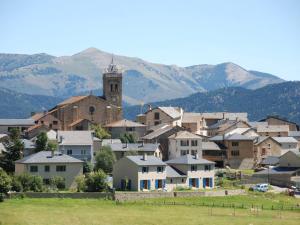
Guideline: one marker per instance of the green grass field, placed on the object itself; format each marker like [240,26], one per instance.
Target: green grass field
[92,211]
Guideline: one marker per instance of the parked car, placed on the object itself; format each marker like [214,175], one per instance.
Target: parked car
[260,187]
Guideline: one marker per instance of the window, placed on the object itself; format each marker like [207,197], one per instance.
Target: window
[269,145]
[234,143]
[160,169]
[61,168]
[116,87]
[111,87]
[83,152]
[263,151]
[156,116]
[55,122]
[171,180]
[69,152]
[47,168]
[145,169]
[156,123]
[193,167]
[207,167]
[130,128]
[184,143]
[194,143]
[184,152]
[33,169]
[182,180]
[193,152]
[235,153]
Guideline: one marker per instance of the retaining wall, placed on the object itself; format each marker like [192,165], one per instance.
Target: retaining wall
[64,195]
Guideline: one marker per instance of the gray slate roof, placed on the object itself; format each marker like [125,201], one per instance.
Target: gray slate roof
[184,134]
[233,137]
[173,112]
[121,147]
[75,137]
[270,160]
[156,133]
[278,170]
[16,122]
[294,133]
[45,157]
[282,140]
[151,160]
[188,159]
[111,141]
[173,172]
[28,144]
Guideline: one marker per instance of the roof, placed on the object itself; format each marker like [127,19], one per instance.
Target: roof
[260,139]
[255,124]
[28,144]
[37,116]
[279,118]
[270,160]
[220,123]
[78,121]
[16,122]
[75,137]
[188,159]
[210,146]
[184,135]
[173,172]
[233,137]
[282,140]
[45,157]
[158,132]
[151,160]
[173,112]
[273,128]
[72,100]
[37,126]
[121,147]
[124,123]
[239,130]
[189,117]
[111,141]
[279,170]
[294,134]
[3,136]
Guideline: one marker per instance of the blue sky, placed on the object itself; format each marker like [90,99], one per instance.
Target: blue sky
[261,35]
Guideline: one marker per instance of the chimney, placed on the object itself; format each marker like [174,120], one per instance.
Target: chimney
[145,156]
[149,107]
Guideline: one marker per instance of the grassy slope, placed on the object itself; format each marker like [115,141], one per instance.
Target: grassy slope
[71,211]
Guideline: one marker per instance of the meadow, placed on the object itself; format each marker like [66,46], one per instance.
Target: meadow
[106,212]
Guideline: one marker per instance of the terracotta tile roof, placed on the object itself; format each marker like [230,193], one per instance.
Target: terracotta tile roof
[72,100]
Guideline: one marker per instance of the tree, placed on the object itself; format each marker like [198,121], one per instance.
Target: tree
[14,147]
[5,182]
[30,182]
[41,142]
[87,167]
[128,138]
[52,146]
[100,132]
[80,181]
[58,182]
[105,159]
[14,134]
[96,181]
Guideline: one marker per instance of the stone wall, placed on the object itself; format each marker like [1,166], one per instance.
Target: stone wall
[63,195]
[126,196]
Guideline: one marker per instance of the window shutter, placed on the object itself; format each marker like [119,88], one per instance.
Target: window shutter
[164,183]
[156,184]
[204,180]
[141,184]
[149,184]
[129,185]
[210,182]
[191,182]
[197,182]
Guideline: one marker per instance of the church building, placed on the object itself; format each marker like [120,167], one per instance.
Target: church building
[80,112]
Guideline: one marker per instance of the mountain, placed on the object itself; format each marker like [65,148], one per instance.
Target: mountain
[276,99]
[42,74]
[18,105]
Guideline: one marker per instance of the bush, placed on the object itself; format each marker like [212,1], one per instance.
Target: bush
[16,185]
[58,182]
[96,181]
[87,167]
[30,182]
[5,182]
[80,181]
[105,159]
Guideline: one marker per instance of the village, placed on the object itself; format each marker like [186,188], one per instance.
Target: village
[165,149]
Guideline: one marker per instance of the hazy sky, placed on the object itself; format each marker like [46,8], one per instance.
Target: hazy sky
[256,34]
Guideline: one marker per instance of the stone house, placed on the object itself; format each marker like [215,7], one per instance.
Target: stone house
[273,130]
[139,173]
[213,152]
[183,143]
[47,165]
[225,126]
[22,124]
[276,120]
[120,127]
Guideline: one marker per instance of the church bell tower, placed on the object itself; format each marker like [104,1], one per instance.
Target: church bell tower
[112,85]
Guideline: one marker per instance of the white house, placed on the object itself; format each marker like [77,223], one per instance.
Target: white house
[78,144]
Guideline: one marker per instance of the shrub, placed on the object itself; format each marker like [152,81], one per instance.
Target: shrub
[36,184]
[16,185]
[58,182]
[96,181]
[105,159]
[30,182]
[80,181]
[5,182]
[87,167]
